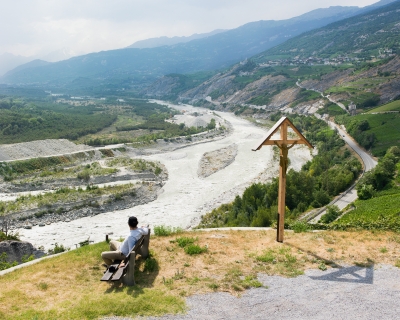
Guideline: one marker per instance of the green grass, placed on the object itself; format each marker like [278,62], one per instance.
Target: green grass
[193,249]
[280,259]
[386,128]
[392,106]
[164,231]
[71,290]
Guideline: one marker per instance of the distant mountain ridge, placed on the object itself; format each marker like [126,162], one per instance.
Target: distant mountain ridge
[336,50]
[141,66]
[169,41]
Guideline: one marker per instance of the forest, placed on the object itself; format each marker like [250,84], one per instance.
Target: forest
[24,120]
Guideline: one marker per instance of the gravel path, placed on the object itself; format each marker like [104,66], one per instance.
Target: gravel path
[347,293]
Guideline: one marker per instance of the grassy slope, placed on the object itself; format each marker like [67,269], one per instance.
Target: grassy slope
[68,286]
[386,128]
[392,106]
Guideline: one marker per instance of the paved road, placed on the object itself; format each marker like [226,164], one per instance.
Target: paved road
[368,161]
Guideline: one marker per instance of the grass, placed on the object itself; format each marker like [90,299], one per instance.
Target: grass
[68,286]
[165,231]
[392,106]
[386,129]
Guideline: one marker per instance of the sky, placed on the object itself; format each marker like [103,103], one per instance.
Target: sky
[38,27]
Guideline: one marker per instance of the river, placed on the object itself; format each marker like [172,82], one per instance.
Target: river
[185,196]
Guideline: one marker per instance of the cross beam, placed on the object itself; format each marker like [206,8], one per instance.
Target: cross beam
[284,144]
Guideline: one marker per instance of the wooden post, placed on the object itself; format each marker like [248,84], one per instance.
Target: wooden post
[283,144]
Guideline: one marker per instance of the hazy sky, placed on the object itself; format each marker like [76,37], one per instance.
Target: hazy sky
[36,27]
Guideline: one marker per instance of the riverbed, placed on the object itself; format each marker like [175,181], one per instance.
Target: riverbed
[185,196]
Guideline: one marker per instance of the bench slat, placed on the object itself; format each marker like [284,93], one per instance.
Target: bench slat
[108,274]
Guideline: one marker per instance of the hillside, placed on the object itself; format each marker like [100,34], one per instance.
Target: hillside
[128,67]
[68,287]
[371,34]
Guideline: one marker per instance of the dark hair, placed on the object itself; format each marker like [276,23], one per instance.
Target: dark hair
[133,222]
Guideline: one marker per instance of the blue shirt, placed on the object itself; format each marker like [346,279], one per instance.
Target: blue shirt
[131,239]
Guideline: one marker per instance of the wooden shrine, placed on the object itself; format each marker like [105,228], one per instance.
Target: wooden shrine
[284,144]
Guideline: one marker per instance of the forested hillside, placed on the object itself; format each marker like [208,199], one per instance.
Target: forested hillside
[330,172]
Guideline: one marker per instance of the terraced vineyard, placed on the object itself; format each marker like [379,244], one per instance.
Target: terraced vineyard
[381,213]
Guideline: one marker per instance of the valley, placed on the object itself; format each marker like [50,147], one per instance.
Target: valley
[184,196]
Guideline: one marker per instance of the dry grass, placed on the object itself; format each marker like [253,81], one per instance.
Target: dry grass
[68,286]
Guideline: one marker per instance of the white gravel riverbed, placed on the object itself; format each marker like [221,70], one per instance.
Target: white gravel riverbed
[185,196]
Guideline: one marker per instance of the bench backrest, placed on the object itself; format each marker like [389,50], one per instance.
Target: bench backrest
[141,247]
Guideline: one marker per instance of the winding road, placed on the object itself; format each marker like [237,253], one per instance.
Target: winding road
[369,162]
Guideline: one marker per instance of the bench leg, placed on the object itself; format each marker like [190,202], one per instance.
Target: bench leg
[129,278]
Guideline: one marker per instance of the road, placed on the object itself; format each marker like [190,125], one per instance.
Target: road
[368,162]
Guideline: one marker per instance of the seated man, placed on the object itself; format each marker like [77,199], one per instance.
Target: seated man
[119,250]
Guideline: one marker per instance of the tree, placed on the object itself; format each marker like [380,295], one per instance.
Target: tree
[365,191]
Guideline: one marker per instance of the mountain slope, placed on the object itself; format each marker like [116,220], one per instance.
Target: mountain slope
[362,36]
[218,51]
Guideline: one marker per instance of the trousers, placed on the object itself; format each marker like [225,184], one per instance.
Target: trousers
[114,254]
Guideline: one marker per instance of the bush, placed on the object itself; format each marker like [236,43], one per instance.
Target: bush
[84,175]
[4,264]
[184,241]
[157,171]
[332,213]
[58,249]
[9,236]
[164,231]
[300,226]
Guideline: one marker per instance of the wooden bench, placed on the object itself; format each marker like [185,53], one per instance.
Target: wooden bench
[124,270]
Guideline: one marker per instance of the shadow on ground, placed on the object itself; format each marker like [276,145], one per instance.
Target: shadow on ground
[362,273]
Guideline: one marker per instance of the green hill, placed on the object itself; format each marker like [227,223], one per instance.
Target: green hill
[362,36]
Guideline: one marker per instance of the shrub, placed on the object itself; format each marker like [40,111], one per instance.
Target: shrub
[58,248]
[9,236]
[157,171]
[300,226]
[332,213]
[84,175]
[4,264]
[25,258]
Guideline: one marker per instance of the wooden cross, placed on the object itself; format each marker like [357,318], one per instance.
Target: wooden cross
[284,144]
